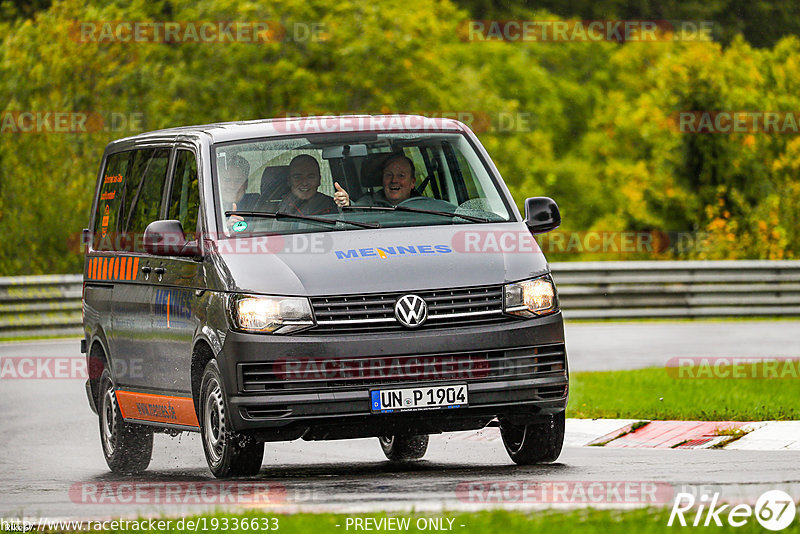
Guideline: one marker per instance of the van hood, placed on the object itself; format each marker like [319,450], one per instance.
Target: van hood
[385,260]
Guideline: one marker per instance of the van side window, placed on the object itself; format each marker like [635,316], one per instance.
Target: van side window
[143,192]
[184,200]
[106,221]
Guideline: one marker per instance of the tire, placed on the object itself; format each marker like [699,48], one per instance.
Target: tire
[404,447]
[228,453]
[127,447]
[534,443]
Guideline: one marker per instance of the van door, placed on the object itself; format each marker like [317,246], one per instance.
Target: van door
[132,271]
[98,289]
[178,291]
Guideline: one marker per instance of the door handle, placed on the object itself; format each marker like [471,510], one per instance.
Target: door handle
[146,269]
[160,271]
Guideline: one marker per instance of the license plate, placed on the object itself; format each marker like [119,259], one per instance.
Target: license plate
[428,398]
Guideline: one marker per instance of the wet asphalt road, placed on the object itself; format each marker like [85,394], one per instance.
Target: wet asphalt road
[53,464]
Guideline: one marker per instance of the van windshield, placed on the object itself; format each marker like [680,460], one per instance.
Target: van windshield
[380,180]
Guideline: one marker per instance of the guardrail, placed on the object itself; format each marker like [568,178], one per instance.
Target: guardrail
[678,289]
[51,305]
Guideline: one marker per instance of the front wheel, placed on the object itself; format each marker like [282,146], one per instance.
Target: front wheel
[403,448]
[127,447]
[536,442]
[228,453]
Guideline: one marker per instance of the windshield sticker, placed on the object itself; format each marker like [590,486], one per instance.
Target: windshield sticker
[113,179]
[239,226]
[392,252]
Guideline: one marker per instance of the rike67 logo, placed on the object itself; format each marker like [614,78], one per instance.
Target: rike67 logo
[774,510]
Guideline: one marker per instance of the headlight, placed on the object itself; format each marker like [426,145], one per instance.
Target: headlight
[275,315]
[531,298]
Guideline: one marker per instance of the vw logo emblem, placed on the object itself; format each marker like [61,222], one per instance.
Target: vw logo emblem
[411,311]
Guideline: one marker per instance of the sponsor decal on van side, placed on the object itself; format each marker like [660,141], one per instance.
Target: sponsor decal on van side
[171,305]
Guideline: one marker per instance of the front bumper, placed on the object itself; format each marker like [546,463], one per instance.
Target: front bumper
[333,410]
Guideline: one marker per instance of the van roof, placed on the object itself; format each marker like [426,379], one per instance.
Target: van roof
[230,131]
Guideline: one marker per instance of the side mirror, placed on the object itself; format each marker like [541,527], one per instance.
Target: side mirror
[166,238]
[541,214]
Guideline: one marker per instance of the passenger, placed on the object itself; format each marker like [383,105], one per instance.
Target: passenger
[303,197]
[398,185]
[233,184]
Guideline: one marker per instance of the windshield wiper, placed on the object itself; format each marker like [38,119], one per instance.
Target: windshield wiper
[271,215]
[418,210]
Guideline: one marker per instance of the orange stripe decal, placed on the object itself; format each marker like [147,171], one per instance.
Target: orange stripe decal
[94,268]
[124,269]
[116,268]
[90,269]
[103,268]
[157,408]
[135,268]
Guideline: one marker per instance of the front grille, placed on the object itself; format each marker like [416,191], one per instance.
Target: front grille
[352,314]
[321,374]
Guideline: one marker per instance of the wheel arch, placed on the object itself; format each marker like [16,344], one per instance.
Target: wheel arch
[202,353]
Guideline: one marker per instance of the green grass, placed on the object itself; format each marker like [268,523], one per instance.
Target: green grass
[64,337]
[586,521]
[653,394]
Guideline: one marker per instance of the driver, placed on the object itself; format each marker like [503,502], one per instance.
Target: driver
[398,185]
[303,197]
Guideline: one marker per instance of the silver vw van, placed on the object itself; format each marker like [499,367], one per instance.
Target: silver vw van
[318,278]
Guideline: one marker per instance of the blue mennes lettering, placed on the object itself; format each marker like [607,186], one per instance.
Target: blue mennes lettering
[346,254]
[404,250]
[388,250]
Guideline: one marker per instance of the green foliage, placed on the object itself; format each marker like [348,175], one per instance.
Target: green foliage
[599,133]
